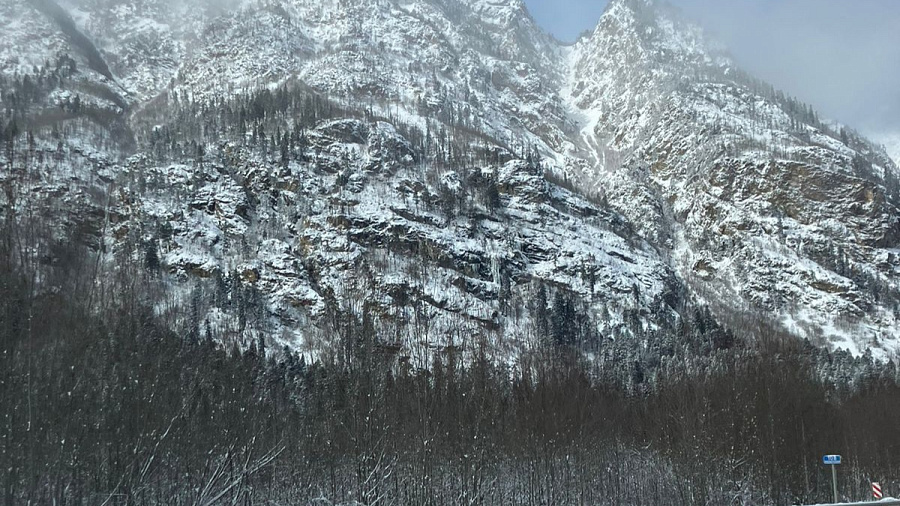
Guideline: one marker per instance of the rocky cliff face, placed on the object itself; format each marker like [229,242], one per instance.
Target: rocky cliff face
[758,201]
[445,173]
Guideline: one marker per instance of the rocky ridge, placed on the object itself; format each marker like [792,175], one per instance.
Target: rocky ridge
[689,183]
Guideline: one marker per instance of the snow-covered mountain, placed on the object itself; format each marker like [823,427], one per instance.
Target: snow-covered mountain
[759,202]
[445,171]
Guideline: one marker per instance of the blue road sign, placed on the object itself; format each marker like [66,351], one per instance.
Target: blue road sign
[831,460]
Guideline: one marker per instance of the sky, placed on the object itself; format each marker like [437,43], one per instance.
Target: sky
[842,56]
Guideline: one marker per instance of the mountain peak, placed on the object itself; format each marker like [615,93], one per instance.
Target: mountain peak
[516,5]
[636,39]
[506,13]
[631,10]
[658,25]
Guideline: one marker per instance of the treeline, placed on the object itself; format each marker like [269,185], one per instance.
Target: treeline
[19,93]
[276,122]
[103,401]
[56,101]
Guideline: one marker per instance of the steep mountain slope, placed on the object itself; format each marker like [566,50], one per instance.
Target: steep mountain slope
[477,63]
[402,166]
[763,205]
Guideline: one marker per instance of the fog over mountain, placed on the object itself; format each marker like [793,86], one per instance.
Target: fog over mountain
[842,56]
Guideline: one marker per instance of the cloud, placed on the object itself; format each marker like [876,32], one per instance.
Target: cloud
[841,56]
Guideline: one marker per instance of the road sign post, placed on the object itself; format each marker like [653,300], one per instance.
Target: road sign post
[834,482]
[833,461]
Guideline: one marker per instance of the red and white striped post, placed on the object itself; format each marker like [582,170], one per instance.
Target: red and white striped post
[876,490]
